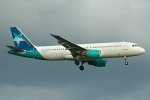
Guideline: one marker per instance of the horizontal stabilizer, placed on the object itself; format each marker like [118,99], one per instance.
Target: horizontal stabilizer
[16,49]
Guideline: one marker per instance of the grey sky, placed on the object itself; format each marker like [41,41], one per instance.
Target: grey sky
[80,21]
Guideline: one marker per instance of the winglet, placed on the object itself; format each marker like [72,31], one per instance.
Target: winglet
[52,35]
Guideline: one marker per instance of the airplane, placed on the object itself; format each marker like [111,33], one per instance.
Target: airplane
[94,54]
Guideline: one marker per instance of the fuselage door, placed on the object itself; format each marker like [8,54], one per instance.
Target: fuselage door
[125,46]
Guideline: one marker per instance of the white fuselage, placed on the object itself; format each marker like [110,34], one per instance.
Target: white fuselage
[108,50]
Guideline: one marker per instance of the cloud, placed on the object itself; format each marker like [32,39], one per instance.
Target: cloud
[11,92]
[80,21]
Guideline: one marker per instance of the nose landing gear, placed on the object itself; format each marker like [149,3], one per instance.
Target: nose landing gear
[125,58]
[126,63]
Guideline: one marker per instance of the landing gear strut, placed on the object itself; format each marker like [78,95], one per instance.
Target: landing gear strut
[125,58]
[77,62]
[81,67]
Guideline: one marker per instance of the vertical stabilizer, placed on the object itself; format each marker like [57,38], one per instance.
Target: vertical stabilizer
[20,40]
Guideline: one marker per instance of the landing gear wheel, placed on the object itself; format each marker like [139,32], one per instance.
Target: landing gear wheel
[125,58]
[77,62]
[81,68]
[126,63]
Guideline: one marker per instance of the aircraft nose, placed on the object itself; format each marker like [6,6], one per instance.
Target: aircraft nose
[142,50]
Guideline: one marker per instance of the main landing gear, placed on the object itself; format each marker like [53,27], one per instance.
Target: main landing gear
[125,58]
[77,62]
[81,67]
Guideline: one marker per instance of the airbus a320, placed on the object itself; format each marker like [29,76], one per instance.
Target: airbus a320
[94,54]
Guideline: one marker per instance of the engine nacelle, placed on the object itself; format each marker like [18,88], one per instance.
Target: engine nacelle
[99,62]
[93,54]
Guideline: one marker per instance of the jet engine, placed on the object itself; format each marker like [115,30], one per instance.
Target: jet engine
[93,54]
[98,63]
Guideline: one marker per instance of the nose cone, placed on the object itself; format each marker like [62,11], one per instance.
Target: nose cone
[142,50]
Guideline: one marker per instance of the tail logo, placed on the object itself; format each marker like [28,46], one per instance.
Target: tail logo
[18,38]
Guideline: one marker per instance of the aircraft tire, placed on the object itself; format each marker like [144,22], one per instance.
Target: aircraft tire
[126,63]
[77,62]
[81,68]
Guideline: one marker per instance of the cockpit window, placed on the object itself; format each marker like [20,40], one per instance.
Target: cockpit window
[134,45]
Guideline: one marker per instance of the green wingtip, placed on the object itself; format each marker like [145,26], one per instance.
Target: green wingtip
[51,35]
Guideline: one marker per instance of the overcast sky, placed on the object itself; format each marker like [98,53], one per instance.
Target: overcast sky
[80,21]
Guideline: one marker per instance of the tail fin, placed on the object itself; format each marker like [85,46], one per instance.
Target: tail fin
[20,40]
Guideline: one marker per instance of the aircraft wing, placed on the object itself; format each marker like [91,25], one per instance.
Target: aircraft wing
[73,48]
